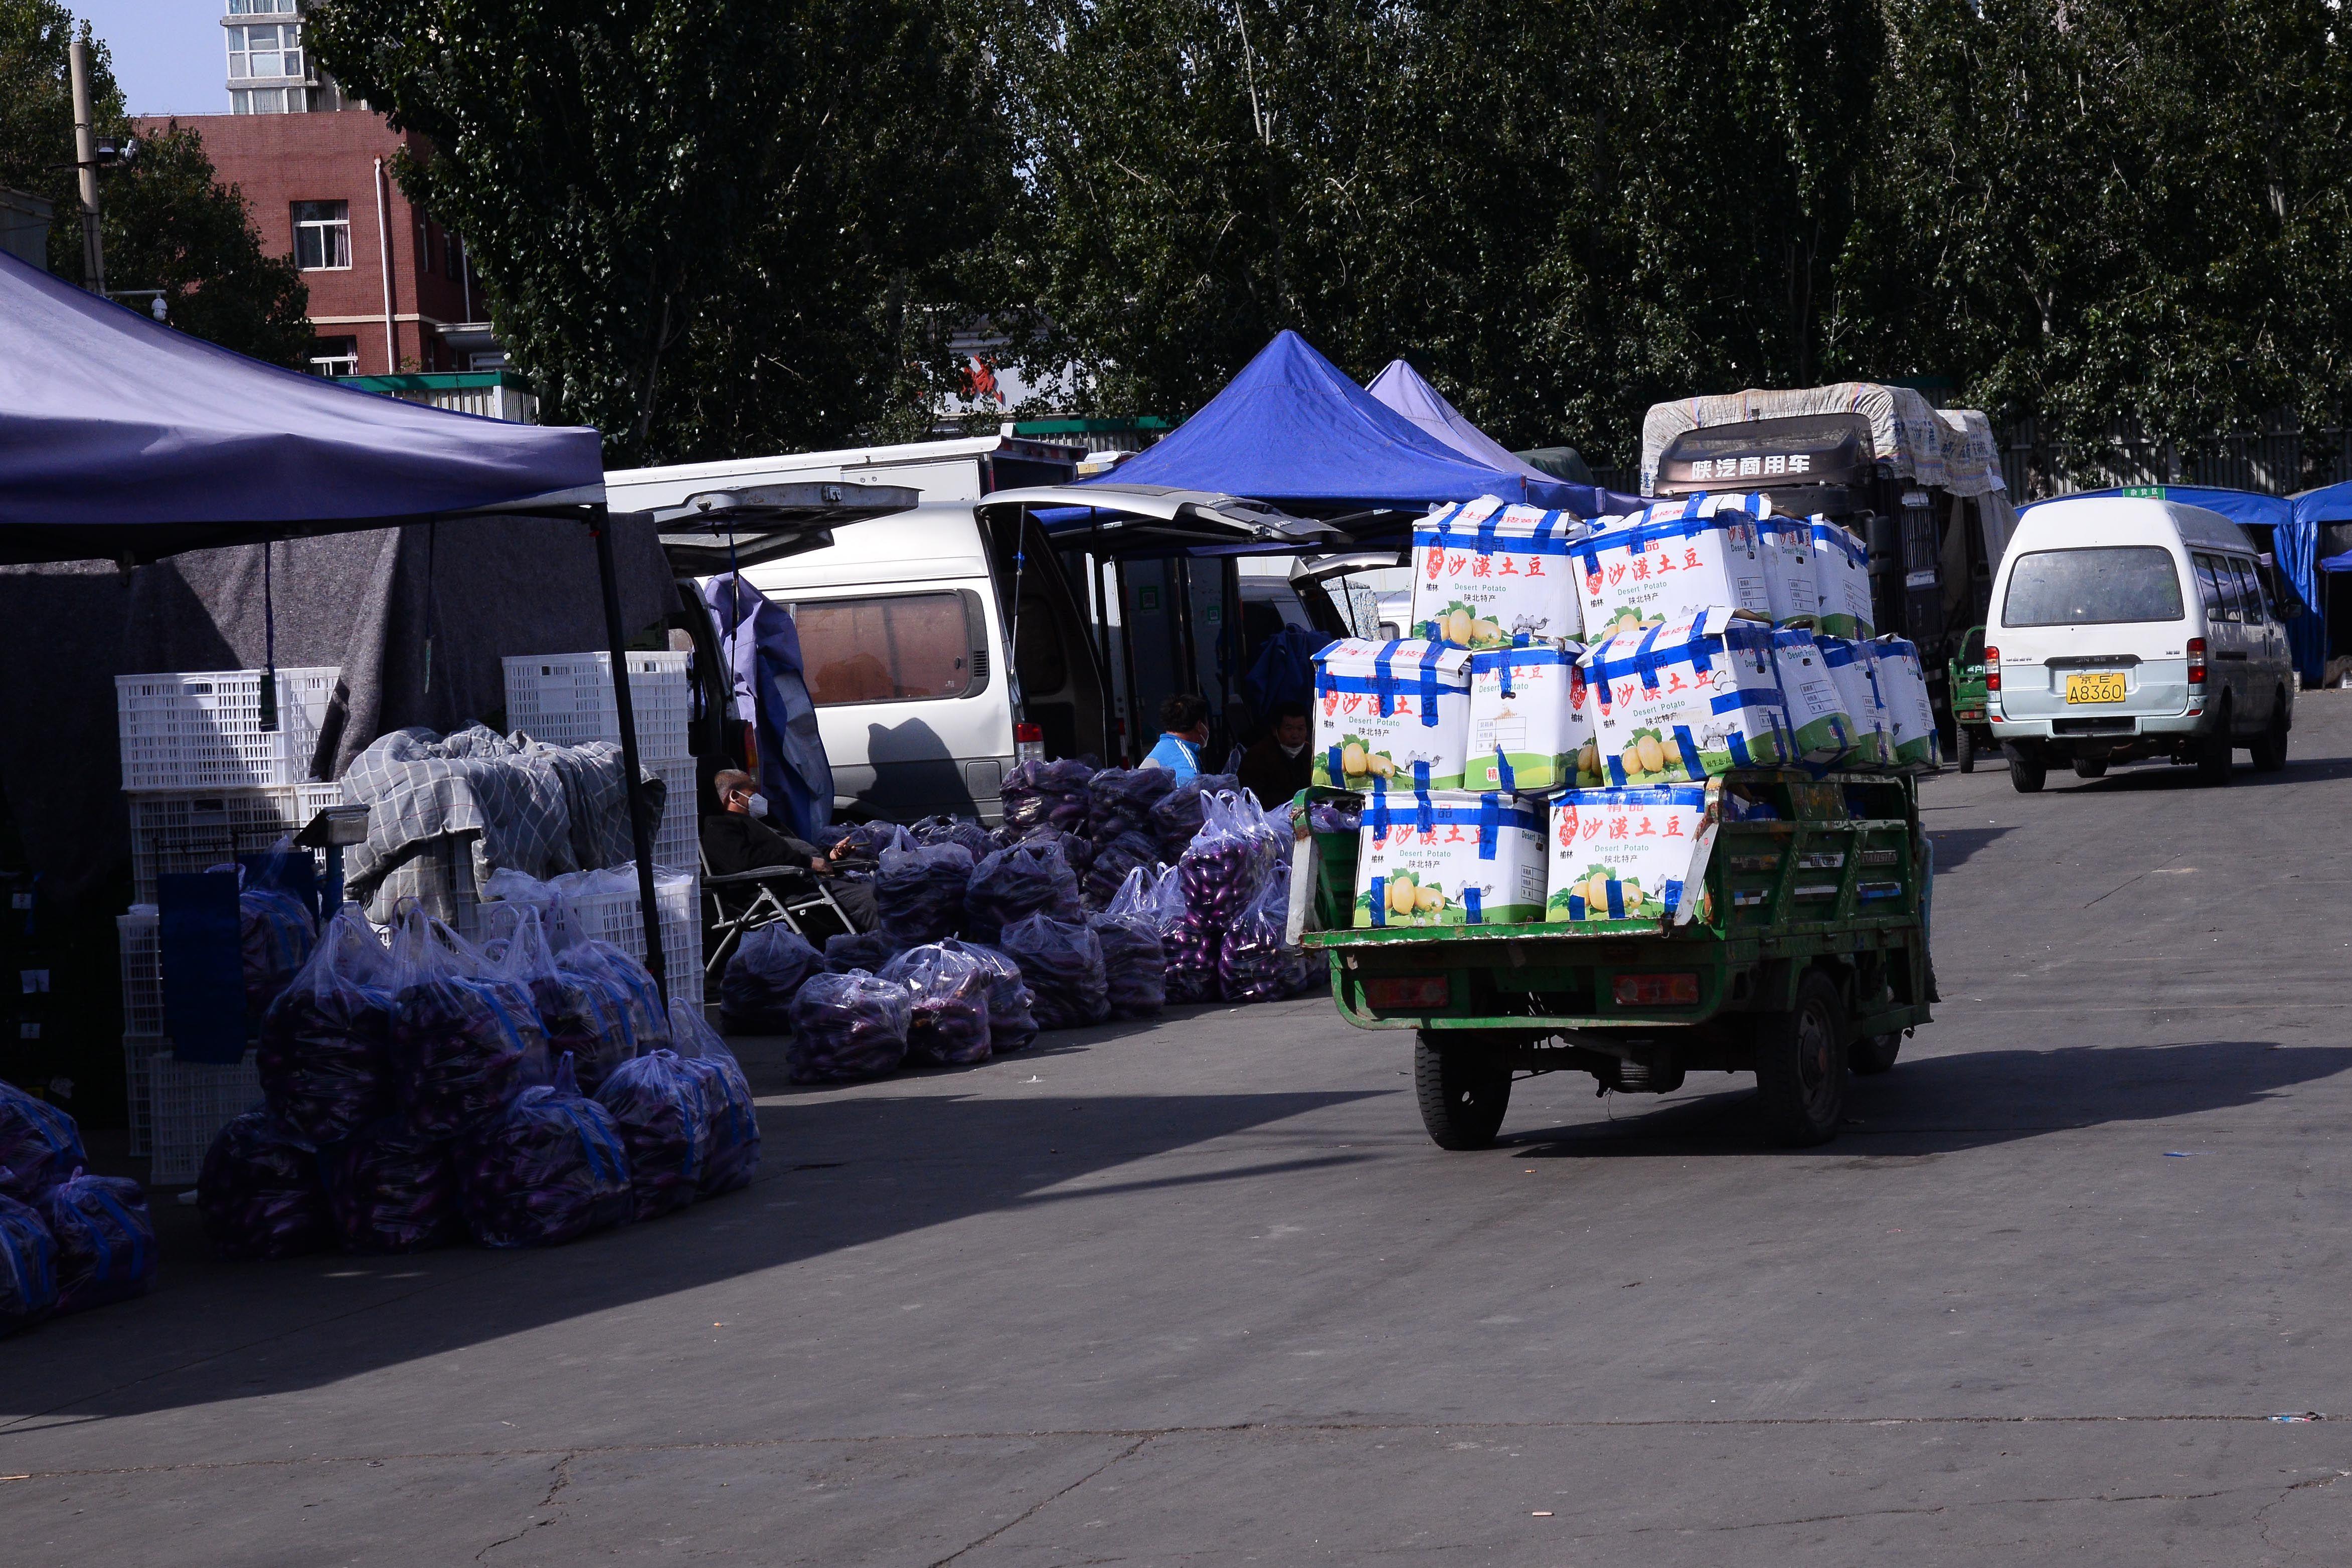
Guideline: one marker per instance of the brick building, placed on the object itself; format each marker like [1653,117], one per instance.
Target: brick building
[391,291]
[321,189]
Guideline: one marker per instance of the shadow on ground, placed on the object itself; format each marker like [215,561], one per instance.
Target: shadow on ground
[1967,1101]
[838,1171]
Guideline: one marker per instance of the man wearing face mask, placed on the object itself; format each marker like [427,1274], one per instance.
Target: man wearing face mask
[737,839]
[1279,766]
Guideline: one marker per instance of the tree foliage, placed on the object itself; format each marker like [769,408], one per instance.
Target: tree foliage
[165,221]
[707,227]
[2078,209]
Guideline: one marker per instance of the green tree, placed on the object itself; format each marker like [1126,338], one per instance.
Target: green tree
[1558,212]
[165,221]
[2098,209]
[702,226]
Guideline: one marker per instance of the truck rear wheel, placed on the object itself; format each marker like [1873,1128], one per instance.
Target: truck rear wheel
[1801,1064]
[1965,744]
[1462,1092]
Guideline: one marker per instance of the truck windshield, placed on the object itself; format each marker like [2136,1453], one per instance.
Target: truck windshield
[2096,586]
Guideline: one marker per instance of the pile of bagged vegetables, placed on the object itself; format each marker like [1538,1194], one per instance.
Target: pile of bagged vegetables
[68,1239]
[426,1090]
[1107,894]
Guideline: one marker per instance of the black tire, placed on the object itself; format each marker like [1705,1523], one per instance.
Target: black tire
[1463,1091]
[1964,747]
[2218,755]
[2089,768]
[1801,1064]
[2027,774]
[1870,1054]
[2269,748]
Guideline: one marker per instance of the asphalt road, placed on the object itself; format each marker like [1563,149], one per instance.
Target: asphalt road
[1201,1292]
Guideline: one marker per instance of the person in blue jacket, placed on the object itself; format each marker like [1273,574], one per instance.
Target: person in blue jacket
[1184,729]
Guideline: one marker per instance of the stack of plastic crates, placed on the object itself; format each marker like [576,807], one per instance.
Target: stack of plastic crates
[206,783]
[143,1013]
[176,1107]
[566,699]
[202,731]
[614,916]
[191,1102]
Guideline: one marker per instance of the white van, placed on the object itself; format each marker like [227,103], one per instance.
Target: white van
[906,622]
[2125,627]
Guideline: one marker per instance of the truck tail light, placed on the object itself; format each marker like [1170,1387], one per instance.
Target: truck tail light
[1993,669]
[1417,992]
[2197,661]
[1656,990]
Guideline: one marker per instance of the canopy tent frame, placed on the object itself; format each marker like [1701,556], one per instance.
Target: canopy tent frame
[124,426]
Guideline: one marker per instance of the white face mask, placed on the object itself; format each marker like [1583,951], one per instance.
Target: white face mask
[1292,750]
[757,805]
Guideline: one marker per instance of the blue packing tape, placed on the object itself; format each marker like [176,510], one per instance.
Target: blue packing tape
[1380,901]
[1421,775]
[1673,899]
[1489,822]
[1425,813]
[1471,906]
[1739,758]
[1576,906]
[1504,778]
[1616,899]
[1688,746]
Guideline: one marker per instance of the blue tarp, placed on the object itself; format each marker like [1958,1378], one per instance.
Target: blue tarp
[2293,522]
[120,436]
[1292,431]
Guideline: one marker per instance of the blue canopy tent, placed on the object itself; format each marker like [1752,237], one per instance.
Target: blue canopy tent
[2293,534]
[1292,430]
[123,440]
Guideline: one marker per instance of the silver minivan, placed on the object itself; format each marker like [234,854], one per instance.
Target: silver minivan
[2129,627]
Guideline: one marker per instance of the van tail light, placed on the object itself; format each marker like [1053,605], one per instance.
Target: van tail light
[1029,742]
[1993,669]
[2197,661]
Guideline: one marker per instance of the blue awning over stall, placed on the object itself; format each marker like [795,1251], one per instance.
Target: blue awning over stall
[121,436]
[1293,431]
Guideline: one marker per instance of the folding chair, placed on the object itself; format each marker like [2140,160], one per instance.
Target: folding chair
[746,900]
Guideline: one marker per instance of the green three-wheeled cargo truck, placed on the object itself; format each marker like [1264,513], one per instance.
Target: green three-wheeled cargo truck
[1806,957]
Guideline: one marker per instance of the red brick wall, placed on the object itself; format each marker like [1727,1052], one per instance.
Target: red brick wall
[277,160]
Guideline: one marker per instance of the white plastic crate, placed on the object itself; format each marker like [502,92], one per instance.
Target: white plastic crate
[566,699]
[196,831]
[202,730]
[138,1085]
[139,935]
[615,917]
[191,1103]
[677,845]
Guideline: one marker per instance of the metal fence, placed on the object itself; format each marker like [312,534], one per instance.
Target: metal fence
[2278,460]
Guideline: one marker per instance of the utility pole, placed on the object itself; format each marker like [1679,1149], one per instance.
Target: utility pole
[93,247]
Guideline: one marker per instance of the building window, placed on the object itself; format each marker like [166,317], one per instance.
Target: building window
[335,357]
[261,7]
[270,50]
[323,235]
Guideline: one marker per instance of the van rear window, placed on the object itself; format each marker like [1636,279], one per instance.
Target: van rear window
[898,647]
[2101,585]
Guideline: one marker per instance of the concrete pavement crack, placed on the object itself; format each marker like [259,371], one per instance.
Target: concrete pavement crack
[1040,1502]
[563,1479]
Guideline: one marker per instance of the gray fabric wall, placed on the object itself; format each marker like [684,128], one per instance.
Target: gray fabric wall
[419,618]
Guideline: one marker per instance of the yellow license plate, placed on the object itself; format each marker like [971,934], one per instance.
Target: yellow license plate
[2104,688]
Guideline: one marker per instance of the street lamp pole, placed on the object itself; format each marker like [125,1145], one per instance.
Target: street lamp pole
[93,247]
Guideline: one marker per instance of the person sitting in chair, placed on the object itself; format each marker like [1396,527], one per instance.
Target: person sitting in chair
[1279,766]
[737,840]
